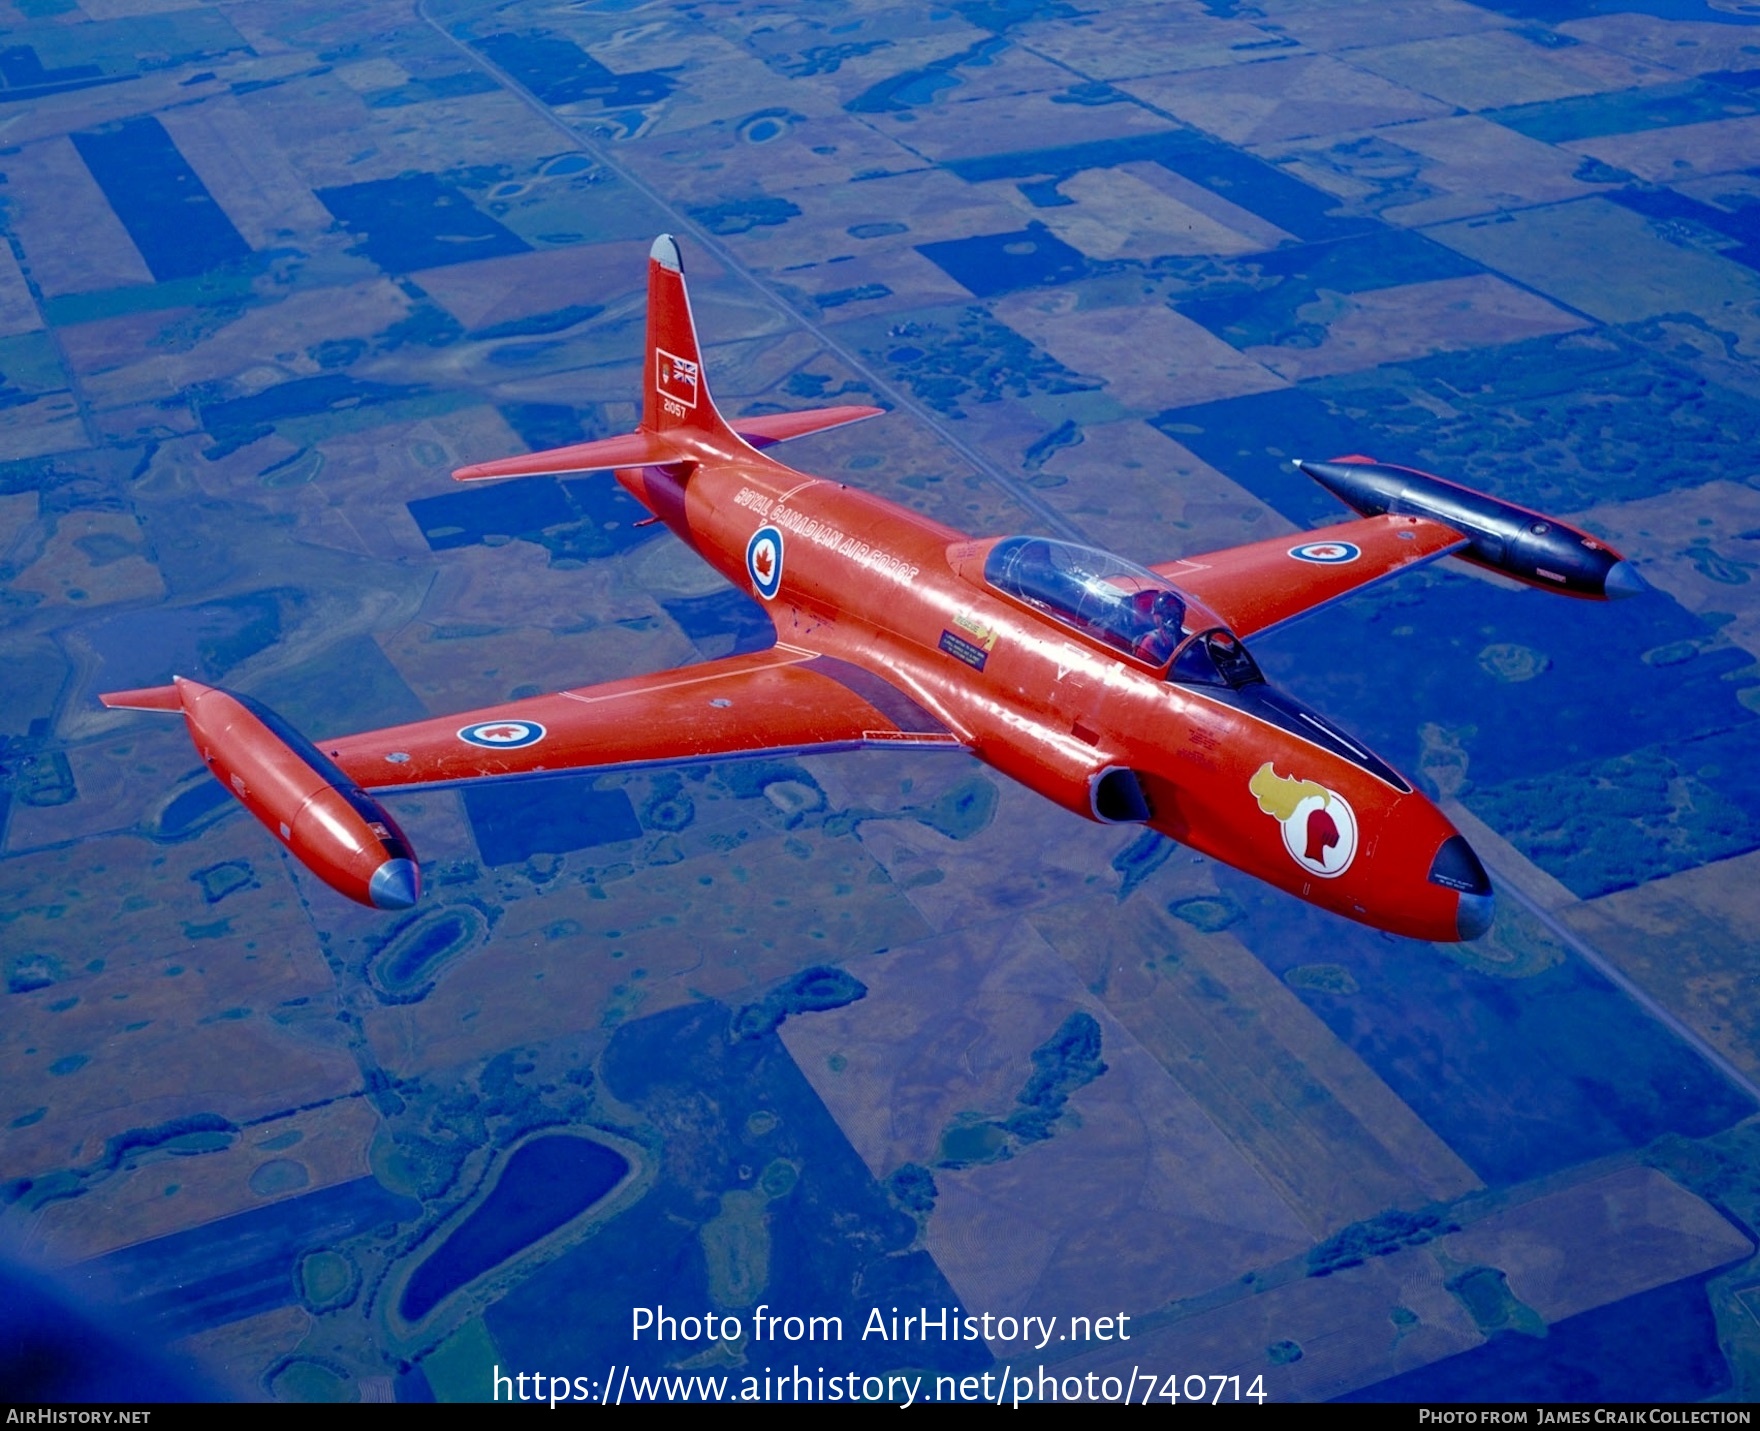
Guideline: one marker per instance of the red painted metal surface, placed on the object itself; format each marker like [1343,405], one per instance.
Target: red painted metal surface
[344,838]
[890,632]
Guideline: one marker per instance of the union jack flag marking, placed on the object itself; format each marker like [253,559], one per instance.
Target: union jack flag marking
[677,377]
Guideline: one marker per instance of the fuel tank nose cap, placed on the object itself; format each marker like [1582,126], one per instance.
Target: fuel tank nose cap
[396,884]
[1623,580]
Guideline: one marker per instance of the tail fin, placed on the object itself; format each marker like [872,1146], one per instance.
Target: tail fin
[675,394]
[680,423]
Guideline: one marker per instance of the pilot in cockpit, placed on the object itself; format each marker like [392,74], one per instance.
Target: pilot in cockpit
[1162,614]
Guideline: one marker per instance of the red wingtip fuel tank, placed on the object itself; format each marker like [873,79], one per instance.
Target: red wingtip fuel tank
[333,828]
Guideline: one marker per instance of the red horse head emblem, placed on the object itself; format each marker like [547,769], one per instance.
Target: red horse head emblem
[1319,826]
[1322,835]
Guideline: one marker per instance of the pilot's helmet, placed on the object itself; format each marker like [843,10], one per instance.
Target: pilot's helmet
[1169,610]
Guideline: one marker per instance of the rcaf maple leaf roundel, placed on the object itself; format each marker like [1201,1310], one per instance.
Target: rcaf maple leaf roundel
[764,560]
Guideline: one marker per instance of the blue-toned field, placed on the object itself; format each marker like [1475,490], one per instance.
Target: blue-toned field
[1515,1074]
[733,1034]
[1658,1346]
[238,1267]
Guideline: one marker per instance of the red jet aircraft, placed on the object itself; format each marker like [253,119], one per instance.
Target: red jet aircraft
[1122,692]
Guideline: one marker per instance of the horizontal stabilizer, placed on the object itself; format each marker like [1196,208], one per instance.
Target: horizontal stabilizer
[150,698]
[633,449]
[774,427]
[652,449]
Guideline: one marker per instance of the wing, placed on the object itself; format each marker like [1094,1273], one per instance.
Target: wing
[1264,584]
[766,702]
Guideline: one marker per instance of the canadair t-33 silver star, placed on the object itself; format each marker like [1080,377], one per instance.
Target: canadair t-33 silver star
[1125,693]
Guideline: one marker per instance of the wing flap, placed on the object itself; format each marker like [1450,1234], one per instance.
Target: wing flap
[1264,584]
[768,701]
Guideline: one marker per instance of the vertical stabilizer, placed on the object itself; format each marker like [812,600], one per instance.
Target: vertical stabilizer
[675,394]
[680,425]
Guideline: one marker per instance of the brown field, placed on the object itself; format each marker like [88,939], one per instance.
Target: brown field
[1137,1180]
[1313,1118]
[164,1194]
[1599,1242]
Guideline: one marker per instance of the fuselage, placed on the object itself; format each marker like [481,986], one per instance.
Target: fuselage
[1245,775]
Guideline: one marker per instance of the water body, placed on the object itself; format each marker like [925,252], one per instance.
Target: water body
[546,1183]
[235,1267]
[836,1243]
[416,954]
[168,212]
[926,85]
[1521,1077]
[1657,1347]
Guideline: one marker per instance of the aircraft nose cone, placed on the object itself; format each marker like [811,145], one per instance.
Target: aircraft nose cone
[396,884]
[1474,913]
[1623,580]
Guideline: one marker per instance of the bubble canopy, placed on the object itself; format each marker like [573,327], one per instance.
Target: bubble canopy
[1126,606]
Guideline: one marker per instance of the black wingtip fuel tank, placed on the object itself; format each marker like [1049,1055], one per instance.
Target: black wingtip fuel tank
[1541,551]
